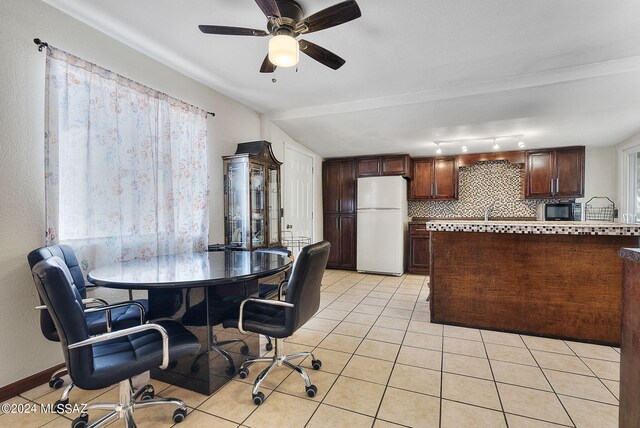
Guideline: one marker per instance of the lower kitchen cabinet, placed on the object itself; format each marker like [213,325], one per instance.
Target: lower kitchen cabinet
[340,231]
[419,249]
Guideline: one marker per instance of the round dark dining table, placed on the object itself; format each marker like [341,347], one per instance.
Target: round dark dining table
[196,289]
[188,270]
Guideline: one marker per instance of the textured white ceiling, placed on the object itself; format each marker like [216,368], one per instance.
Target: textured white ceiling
[559,72]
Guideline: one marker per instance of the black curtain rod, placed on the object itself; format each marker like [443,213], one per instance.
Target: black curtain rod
[42,45]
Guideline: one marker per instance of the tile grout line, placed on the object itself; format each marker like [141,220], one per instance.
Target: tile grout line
[549,382]
[495,383]
[594,373]
[395,361]
[352,353]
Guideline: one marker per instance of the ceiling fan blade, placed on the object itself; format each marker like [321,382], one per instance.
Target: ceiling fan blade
[332,16]
[231,31]
[269,8]
[321,55]
[267,66]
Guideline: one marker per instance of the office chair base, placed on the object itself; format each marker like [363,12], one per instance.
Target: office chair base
[278,360]
[129,401]
[56,381]
[269,345]
[230,370]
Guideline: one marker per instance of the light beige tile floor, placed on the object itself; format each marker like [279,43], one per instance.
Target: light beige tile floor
[385,365]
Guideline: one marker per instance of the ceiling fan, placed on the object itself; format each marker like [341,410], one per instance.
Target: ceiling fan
[286,22]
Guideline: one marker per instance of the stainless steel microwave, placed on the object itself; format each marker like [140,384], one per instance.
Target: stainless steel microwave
[560,211]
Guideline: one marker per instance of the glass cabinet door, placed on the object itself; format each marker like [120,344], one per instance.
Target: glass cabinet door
[237,223]
[257,180]
[274,206]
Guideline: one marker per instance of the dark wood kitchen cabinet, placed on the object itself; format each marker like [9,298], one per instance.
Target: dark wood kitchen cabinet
[555,173]
[339,201]
[340,231]
[435,178]
[339,186]
[419,249]
[384,165]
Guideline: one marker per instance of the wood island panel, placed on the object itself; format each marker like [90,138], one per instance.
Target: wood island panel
[564,286]
[630,347]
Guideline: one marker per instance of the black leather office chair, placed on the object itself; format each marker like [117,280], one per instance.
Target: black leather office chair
[281,318]
[116,317]
[274,287]
[95,362]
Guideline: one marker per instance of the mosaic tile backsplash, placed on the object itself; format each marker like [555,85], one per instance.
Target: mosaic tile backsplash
[479,186]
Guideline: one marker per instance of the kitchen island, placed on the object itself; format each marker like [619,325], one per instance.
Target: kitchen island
[554,279]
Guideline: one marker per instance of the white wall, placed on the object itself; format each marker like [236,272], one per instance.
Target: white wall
[600,174]
[278,139]
[23,350]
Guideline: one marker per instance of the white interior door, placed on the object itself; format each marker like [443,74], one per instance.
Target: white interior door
[298,195]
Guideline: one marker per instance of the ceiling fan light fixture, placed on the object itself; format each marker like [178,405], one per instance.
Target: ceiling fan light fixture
[283,51]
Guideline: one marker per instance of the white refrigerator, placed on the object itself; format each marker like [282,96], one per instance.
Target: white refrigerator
[382,225]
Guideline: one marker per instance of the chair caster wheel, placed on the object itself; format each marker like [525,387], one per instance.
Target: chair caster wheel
[80,422]
[56,383]
[172,365]
[230,371]
[243,373]
[312,390]
[244,350]
[59,405]
[258,398]
[268,347]
[179,415]
[316,364]
[149,394]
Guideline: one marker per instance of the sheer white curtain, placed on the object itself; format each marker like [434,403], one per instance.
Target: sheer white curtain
[125,166]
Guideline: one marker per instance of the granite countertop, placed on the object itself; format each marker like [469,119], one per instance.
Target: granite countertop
[534,227]
[632,254]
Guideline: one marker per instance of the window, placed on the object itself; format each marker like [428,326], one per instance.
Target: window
[631,183]
[125,166]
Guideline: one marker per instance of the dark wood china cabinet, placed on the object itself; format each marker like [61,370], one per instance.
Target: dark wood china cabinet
[252,197]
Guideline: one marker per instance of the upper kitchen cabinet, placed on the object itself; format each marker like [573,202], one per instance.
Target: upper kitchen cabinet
[339,186]
[435,178]
[252,197]
[555,173]
[384,165]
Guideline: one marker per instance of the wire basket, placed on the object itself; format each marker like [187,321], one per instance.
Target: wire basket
[294,243]
[601,209]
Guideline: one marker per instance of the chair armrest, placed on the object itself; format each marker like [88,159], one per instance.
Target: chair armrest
[85,301]
[107,309]
[282,288]
[265,301]
[127,331]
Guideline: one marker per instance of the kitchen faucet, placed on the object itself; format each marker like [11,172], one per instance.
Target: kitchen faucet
[489,210]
